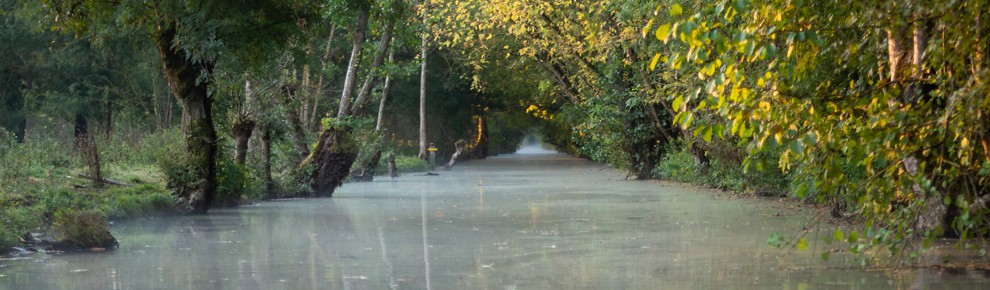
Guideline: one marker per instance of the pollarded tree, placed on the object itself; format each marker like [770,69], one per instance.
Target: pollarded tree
[192,37]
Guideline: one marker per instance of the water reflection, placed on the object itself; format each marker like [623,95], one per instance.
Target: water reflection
[426,238]
[544,221]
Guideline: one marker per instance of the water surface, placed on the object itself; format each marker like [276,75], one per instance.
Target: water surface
[534,220]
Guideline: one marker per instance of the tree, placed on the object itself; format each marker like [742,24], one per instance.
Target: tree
[871,103]
[422,83]
[191,38]
[335,149]
[582,56]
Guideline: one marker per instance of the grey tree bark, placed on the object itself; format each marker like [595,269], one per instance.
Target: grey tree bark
[385,90]
[376,63]
[422,90]
[352,65]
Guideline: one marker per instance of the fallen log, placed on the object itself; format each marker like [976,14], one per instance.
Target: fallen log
[105,180]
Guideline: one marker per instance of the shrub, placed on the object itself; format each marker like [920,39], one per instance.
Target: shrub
[723,173]
[404,163]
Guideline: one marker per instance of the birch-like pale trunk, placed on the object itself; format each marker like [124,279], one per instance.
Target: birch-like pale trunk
[422,90]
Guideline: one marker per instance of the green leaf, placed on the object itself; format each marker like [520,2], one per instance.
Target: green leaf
[838,235]
[900,115]
[802,190]
[676,9]
[677,103]
[775,240]
[739,5]
[663,32]
[825,256]
[853,237]
[688,120]
[802,244]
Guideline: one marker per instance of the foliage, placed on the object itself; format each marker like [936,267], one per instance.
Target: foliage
[43,158]
[141,200]
[404,164]
[680,165]
[848,115]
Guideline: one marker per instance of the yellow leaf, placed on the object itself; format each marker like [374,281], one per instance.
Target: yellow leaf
[646,30]
[653,63]
[663,32]
[676,9]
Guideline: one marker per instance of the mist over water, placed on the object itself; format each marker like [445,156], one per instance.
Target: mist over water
[520,221]
[532,146]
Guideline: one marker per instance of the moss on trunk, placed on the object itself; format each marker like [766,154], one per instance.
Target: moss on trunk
[331,159]
[197,119]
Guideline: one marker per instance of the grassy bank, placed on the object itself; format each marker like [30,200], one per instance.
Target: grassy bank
[41,189]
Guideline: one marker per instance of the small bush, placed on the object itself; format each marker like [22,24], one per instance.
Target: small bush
[295,181]
[15,221]
[236,182]
[679,165]
[404,163]
[8,238]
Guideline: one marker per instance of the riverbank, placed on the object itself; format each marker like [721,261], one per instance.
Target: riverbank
[831,231]
[44,195]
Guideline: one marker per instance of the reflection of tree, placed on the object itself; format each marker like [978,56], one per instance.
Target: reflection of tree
[426,239]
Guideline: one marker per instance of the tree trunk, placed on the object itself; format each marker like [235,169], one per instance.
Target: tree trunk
[369,82]
[422,90]
[352,65]
[242,129]
[266,156]
[86,148]
[189,83]
[480,150]
[335,150]
[243,126]
[641,145]
[313,123]
[296,131]
[366,172]
[331,160]
[108,117]
[458,149]
[385,90]
[906,45]
[392,170]
[79,129]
